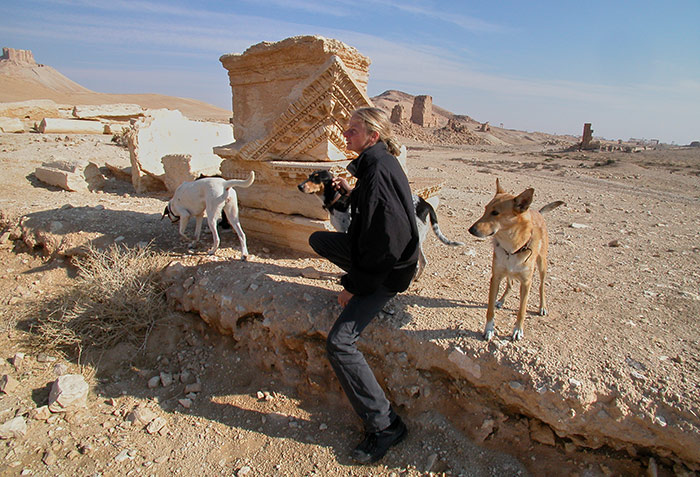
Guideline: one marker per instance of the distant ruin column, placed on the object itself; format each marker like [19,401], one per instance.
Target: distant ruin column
[398,114]
[587,136]
[422,112]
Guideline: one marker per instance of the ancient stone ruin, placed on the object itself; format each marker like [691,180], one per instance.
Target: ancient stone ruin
[18,56]
[422,112]
[398,114]
[291,101]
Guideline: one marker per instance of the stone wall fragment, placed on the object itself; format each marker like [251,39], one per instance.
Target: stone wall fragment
[71,175]
[180,168]
[11,125]
[70,126]
[34,110]
[119,111]
[163,132]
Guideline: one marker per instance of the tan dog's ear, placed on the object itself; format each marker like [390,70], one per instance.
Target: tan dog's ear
[499,189]
[523,201]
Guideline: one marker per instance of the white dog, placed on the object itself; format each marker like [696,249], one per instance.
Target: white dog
[211,195]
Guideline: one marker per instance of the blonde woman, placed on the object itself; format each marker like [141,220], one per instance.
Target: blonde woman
[379,254]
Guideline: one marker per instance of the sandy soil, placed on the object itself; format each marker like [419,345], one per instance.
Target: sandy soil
[623,302]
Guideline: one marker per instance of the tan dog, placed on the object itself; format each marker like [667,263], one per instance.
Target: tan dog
[520,242]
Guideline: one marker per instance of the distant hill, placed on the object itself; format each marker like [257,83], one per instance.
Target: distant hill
[23,79]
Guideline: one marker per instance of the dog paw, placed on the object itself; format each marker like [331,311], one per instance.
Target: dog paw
[499,304]
[543,311]
[244,258]
[211,251]
[489,331]
[517,334]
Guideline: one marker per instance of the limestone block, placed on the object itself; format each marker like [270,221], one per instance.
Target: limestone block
[35,109]
[180,168]
[108,111]
[70,126]
[11,125]
[69,392]
[286,231]
[163,132]
[71,175]
[267,77]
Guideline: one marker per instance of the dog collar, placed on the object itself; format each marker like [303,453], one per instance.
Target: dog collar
[524,248]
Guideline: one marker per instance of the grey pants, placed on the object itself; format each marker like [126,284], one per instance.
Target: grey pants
[355,376]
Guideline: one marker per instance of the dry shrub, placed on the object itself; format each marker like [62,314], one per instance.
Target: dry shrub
[118,296]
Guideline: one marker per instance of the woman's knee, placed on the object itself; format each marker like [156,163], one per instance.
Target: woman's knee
[338,343]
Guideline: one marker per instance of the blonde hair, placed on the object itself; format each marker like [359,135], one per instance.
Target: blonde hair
[376,120]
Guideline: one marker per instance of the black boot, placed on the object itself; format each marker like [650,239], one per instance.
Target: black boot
[376,444]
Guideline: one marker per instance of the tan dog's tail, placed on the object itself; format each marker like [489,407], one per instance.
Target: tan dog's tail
[241,183]
[551,206]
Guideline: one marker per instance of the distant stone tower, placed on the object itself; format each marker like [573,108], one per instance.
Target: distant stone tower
[398,114]
[422,112]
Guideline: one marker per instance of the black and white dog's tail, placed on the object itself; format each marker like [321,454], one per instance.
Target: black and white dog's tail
[425,210]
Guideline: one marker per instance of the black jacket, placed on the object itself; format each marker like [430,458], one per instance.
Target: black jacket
[383,232]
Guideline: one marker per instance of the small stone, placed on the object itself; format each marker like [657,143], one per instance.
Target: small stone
[49,457]
[245,470]
[154,382]
[156,425]
[40,413]
[8,384]
[17,360]
[578,226]
[614,243]
[60,369]
[186,403]
[13,428]
[69,392]
[141,416]
[193,388]
[166,379]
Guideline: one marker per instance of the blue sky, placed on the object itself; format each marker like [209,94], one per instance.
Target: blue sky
[631,68]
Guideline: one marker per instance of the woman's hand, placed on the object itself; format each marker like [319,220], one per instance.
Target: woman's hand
[344,297]
[340,184]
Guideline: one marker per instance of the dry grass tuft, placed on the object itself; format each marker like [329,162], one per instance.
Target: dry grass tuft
[118,296]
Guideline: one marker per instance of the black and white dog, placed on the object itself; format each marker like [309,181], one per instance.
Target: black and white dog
[210,195]
[320,181]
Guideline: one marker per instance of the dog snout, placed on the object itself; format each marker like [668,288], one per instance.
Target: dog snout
[301,186]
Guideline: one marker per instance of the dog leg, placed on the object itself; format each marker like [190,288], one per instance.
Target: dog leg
[524,293]
[198,228]
[236,225]
[501,301]
[184,219]
[542,267]
[211,222]
[490,330]
[422,262]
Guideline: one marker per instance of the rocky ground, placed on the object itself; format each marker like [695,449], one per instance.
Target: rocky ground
[606,384]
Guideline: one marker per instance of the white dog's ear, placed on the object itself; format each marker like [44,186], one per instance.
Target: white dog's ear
[523,201]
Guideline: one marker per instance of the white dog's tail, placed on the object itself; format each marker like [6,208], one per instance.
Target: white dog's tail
[241,183]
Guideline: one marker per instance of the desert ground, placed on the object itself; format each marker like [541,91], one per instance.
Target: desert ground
[623,301]
[605,384]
